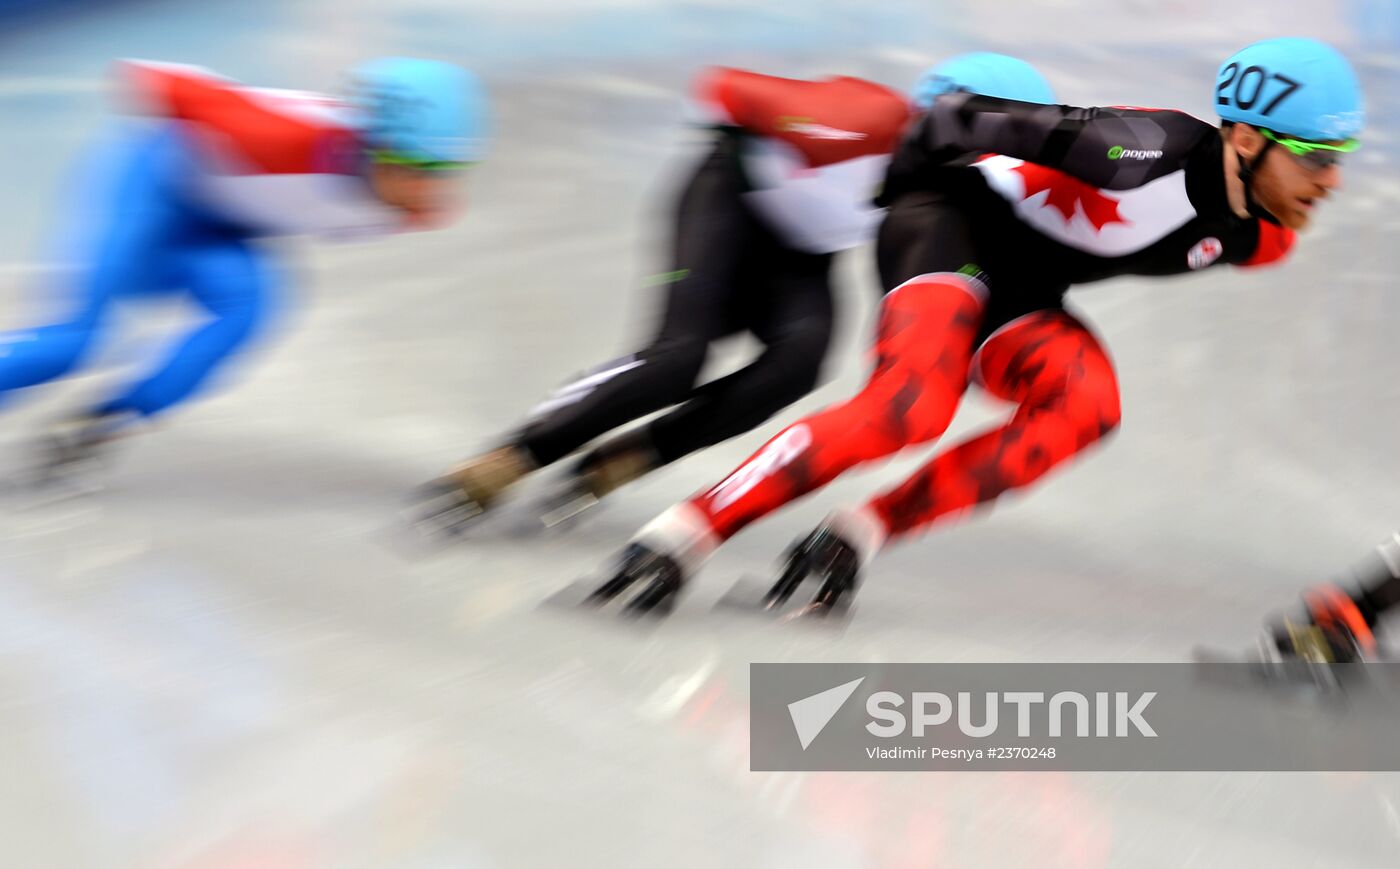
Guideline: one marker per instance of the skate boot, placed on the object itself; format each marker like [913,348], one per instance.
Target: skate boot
[1312,652]
[1315,652]
[602,471]
[826,556]
[71,453]
[1333,631]
[449,505]
[659,574]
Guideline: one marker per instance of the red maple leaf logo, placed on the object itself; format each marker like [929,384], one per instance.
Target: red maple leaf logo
[1067,193]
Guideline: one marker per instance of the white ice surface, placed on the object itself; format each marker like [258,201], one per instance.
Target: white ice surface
[223,661]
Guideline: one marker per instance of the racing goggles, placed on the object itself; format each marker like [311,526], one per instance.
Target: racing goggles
[1314,156]
[418,164]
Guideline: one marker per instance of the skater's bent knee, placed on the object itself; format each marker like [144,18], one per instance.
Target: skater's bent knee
[1092,415]
[681,355]
[1109,418]
[1111,413]
[799,354]
[1103,405]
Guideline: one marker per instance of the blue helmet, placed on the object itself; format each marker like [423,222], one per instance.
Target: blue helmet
[1300,87]
[420,111]
[982,72]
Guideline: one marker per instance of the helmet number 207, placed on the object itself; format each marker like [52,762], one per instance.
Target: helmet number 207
[1249,87]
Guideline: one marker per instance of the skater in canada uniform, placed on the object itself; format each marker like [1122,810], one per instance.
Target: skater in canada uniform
[996,209]
[787,183]
[177,203]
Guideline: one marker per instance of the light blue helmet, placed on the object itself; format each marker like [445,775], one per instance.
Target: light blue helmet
[986,73]
[1300,87]
[420,111]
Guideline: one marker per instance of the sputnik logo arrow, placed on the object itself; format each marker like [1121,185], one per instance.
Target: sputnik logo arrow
[811,715]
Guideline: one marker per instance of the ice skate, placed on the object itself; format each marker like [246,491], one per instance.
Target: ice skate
[450,505]
[826,557]
[598,474]
[71,454]
[1314,650]
[656,575]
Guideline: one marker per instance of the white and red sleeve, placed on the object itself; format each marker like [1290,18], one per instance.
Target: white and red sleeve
[259,131]
[279,162]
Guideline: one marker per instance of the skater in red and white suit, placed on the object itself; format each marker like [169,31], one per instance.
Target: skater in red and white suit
[997,208]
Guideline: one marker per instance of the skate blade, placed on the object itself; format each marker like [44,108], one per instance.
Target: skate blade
[749,596]
[1249,670]
[36,490]
[564,514]
[578,596]
[410,542]
[411,538]
[438,519]
[447,524]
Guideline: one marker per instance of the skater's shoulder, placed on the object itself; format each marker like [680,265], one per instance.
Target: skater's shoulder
[261,130]
[153,87]
[743,91]
[188,92]
[828,120]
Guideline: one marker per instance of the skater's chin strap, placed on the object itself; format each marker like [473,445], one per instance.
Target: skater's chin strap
[1246,175]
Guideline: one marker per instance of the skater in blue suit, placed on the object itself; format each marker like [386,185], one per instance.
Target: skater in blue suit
[180,203]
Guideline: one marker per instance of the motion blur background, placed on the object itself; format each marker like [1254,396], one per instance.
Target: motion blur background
[223,661]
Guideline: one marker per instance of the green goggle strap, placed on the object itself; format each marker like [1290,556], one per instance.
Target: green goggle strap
[1303,147]
[391,158]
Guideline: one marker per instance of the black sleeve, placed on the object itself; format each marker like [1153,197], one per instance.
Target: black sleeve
[1111,148]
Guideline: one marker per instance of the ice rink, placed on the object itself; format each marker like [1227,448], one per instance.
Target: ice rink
[224,659]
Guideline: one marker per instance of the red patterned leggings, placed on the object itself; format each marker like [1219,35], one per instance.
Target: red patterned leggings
[1047,362]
